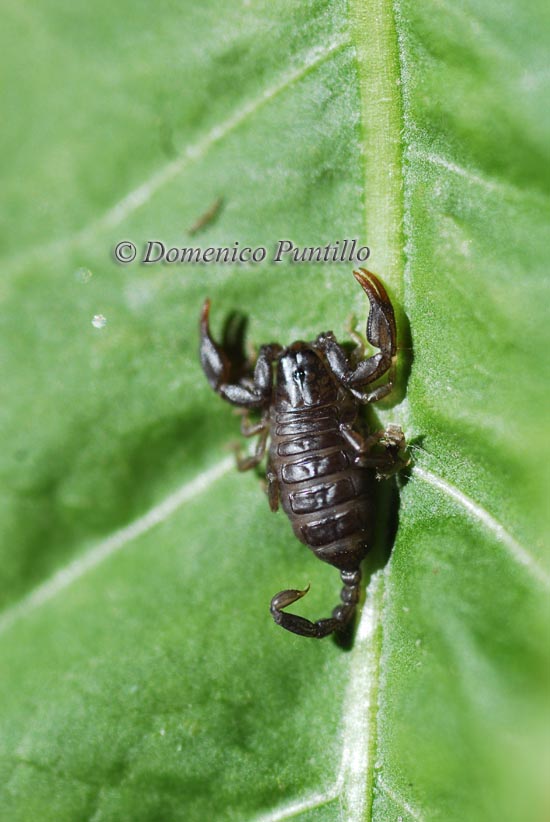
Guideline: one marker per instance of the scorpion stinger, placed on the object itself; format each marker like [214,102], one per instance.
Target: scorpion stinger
[341,615]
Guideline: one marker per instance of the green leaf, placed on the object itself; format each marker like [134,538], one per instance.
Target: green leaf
[143,677]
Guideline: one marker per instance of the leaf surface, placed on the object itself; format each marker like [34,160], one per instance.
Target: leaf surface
[143,677]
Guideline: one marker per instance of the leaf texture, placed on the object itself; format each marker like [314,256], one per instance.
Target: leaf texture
[143,677]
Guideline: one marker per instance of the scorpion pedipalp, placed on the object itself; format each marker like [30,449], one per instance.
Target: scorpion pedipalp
[381,329]
[253,392]
[214,361]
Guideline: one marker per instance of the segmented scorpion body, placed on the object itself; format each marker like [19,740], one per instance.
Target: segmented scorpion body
[319,465]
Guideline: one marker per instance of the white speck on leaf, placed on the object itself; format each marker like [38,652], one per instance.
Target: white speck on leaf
[83,275]
[99,321]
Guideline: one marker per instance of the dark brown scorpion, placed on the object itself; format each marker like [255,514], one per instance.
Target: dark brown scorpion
[319,459]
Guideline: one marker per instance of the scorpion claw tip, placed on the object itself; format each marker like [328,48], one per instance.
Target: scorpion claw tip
[362,276]
[370,284]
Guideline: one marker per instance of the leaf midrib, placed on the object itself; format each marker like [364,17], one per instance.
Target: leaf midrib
[373,31]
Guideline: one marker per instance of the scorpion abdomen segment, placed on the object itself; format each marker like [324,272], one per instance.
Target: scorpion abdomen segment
[322,490]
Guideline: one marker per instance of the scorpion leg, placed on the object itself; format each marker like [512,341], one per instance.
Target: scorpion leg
[250,393]
[323,627]
[381,333]
[250,429]
[392,459]
[360,341]
[246,463]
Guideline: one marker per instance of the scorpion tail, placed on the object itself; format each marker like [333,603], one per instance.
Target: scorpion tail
[323,627]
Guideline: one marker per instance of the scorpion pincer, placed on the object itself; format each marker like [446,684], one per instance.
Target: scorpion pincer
[320,460]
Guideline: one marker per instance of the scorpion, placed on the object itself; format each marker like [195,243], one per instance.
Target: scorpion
[320,460]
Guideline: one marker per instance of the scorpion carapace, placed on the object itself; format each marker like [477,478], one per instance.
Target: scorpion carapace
[320,461]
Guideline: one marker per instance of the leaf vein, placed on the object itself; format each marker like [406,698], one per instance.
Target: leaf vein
[140,195]
[98,553]
[288,811]
[361,708]
[402,803]
[519,553]
[476,177]
[380,75]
